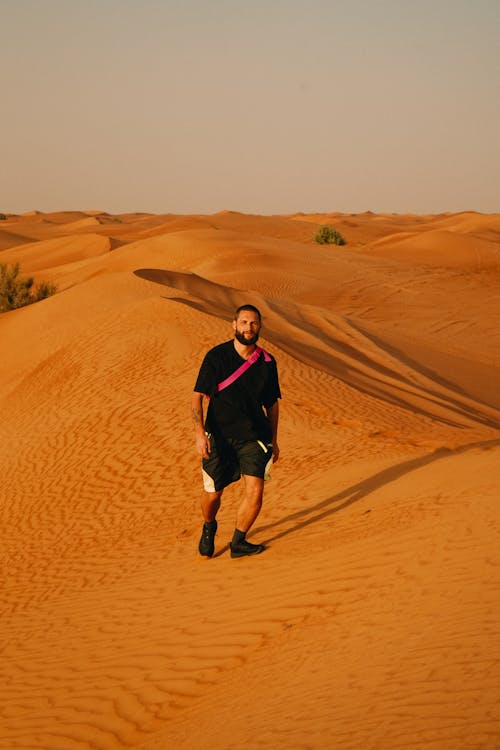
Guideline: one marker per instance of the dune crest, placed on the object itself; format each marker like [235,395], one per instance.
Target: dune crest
[331,344]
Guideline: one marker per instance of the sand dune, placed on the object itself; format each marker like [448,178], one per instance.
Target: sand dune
[471,222]
[46,254]
[371,619]
[10,239]
[89,221]
[441,249]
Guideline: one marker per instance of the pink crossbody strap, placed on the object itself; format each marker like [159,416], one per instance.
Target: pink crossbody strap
[244,367]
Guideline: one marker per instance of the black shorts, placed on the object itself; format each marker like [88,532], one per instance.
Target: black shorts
[230,458]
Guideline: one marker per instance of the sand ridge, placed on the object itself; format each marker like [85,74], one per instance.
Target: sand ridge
[370,621]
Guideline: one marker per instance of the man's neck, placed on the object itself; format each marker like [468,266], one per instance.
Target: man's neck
[243,350]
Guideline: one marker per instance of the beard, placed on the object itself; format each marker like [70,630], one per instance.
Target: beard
[246,339]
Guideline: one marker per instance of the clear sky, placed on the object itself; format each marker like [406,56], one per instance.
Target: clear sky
[260,106]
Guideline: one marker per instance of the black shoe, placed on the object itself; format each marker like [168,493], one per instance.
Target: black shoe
[206,546]
[240,549]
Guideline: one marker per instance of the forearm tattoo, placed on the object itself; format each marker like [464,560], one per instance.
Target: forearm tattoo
[196,414]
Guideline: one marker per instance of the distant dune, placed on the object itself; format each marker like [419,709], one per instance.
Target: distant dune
[10,239]
[440,249]
[61,251]
[371,619]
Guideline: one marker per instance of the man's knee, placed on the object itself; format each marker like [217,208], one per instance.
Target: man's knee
[254,488]
[211,496]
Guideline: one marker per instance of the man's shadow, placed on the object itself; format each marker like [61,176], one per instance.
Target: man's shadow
[299,520]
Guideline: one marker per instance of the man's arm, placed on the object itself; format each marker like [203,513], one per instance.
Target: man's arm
[202,441]
[273,417]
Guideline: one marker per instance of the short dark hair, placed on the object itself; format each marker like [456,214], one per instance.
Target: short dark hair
[248,307]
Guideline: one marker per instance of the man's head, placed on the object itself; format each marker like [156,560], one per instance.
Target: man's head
[246,324]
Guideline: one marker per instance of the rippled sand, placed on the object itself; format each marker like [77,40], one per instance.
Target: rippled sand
[371,621]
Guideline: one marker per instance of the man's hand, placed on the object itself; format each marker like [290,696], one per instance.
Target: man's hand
[273,416]
[276,452]
[203,444]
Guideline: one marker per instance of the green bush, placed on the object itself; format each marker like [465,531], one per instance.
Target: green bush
[329,236]
[16,291]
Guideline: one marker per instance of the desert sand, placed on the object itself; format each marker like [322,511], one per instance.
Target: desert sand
[371,620]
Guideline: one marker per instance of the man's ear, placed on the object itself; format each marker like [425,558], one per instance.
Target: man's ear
[234,325]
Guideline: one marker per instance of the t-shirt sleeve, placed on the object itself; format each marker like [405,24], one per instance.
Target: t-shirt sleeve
[273,388]
[206,382]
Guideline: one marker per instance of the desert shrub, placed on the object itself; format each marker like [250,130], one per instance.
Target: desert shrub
[2,217]
[44,289]
[17,291]
[329,236]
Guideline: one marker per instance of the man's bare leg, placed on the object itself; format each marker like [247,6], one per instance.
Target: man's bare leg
[210,504]
[251,504]
[247,513]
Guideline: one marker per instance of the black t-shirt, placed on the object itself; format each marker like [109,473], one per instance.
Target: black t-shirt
[236,411]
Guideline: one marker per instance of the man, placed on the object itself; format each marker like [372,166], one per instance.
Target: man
[239,435]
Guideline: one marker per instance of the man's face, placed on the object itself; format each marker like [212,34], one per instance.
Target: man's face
[247,327]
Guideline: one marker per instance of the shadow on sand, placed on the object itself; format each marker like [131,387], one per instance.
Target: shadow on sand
[301,519]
